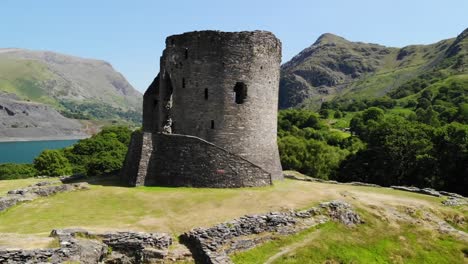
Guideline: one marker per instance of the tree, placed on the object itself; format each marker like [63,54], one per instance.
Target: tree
[372,113]
[106,163]
[52,163]
[324,113]
[338,114]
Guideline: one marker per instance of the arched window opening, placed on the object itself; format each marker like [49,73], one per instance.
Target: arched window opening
[206,94]
[212,124]
[241,92]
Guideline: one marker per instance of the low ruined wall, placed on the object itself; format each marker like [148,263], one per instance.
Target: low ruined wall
[214,245]
[180,160]
[41,189]
[81,246]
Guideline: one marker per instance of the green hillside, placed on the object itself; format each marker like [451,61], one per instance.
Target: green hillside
[78,88]
[334,68]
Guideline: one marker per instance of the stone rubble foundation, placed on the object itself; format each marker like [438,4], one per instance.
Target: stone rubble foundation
[41,189]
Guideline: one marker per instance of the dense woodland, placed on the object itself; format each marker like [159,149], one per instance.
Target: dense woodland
[422,141]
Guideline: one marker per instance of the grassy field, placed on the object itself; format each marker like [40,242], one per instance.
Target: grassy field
[334,243]
[384,237]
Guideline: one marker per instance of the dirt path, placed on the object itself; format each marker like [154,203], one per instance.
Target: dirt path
[293,247]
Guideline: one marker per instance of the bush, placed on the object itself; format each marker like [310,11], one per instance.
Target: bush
[9,171]
[106,163]
[338,114]
[101,154]
[52,163]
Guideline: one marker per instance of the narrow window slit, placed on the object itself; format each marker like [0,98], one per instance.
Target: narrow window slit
[183,82]
[212,124]
[186,53]
[206,94]
[240,90]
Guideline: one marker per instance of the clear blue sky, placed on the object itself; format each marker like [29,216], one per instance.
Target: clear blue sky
[130,34]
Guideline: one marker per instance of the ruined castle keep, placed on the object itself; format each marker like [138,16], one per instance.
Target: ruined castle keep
[210,116]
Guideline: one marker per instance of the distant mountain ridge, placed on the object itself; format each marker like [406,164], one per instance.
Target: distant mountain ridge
[64,77]
[333,67]
[75,87]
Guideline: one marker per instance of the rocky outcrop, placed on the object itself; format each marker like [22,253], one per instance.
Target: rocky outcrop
[212,245]
[453,201]
[40,189]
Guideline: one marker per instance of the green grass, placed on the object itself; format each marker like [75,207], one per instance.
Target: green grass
[339,244]
[24,78]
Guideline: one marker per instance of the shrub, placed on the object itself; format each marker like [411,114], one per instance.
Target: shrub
[106,163]
[9,171]
[52,163]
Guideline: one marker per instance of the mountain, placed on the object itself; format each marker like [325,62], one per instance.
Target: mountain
[69,86]
[46,76]
[334,68]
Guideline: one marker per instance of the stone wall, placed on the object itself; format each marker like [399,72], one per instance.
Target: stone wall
[151,107]
[128,173]
[182,160]
[213,245]
[81,246]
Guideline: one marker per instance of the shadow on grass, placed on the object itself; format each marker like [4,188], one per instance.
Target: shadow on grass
[102,180]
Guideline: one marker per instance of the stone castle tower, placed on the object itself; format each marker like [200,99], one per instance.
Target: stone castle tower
[210,116]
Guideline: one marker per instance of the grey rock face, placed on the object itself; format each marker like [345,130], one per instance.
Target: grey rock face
[341,212]
[20,119]
[217,87]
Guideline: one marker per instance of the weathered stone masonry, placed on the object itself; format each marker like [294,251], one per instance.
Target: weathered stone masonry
[209,117]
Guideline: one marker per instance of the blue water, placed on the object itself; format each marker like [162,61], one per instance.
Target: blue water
[26,151]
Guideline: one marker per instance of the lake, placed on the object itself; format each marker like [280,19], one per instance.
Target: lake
[26,151]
